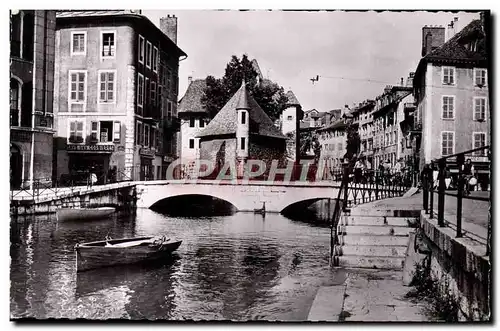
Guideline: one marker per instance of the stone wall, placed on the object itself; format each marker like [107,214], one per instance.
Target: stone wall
[461,265]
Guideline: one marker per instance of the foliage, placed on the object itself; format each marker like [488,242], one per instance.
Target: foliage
[443,304]
[269,95]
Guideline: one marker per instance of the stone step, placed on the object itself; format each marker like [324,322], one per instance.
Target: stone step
[376,220]
[375,230]
[373,240]
[377,250]
[372,262]
[365,211]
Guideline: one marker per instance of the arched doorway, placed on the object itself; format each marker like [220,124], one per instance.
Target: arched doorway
[16,166]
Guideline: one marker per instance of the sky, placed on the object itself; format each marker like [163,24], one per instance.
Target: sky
[348,50]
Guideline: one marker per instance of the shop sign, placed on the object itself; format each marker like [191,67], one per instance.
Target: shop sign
[91,148]
[147,152]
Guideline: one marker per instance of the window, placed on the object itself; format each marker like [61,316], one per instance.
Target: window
[106,86]
[191,143]
[155,59]
[108,44]
[289,118]
[242,144]
[148,54]
[146,135]
[479,109]
[138,135]
[448,75]
[153,93]
[160,104]
[141,49]
[106,131]
[243,117]
[202,123]
[78,43]
[169,113]
[168,81]
[16,23]
[15,103]
[479,140]
[117,128]
[140,90]
[340,146]
[78,82]
[448,106]
[94,129]
[147,90]
[191,122]
[480,77]
[75,132]
[447,143]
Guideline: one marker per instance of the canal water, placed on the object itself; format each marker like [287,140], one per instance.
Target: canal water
[237,267]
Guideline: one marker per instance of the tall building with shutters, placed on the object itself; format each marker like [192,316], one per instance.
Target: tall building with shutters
[451,89]
[116,88]
[31,91]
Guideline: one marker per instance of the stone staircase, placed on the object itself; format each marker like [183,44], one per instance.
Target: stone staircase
[376,239]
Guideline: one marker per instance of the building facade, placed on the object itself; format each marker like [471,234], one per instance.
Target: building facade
[333,142]
[116,88]
[241,131]
[32,47]
[387,114]
[193,119]
[452,97]
[362,116]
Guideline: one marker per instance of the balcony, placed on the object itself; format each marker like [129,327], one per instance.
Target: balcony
[171,125]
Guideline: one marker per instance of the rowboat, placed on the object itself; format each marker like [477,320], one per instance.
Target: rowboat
[82,214]
[110,252]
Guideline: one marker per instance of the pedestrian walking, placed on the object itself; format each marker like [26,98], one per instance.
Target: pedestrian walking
[468,174]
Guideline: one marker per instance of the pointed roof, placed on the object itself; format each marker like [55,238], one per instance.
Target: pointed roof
[243,98]
[191,101]
[225,121]
[292,99]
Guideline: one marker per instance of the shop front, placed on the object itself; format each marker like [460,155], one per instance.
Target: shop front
[89,159]
[146,166]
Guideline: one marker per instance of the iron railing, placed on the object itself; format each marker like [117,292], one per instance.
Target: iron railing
[438,175]
[365,186]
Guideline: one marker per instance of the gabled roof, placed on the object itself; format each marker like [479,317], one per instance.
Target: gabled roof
[191,101]
[454,48]
[337,125]
[225,122]
[292,99]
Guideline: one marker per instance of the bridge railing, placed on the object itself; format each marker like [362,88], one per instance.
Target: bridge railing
[457,176]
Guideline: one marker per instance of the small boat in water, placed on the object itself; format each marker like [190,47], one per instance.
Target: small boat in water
[82,214]
[109,252]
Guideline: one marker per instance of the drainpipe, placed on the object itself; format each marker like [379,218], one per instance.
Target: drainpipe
[32,156]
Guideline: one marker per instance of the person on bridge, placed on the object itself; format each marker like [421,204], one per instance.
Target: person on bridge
[468,173]
[358,171]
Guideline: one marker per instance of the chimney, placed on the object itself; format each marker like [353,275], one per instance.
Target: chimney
[190,79]
[432,38]
[402,80]
[409,80]
[168,25]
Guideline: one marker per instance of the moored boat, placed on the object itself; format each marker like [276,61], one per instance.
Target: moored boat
[82,214]
[97,254]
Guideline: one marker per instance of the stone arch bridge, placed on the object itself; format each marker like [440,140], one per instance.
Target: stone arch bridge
[244,196]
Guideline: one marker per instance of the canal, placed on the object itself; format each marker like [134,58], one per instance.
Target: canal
[236,267]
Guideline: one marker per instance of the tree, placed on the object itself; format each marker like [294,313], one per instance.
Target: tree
[269,95]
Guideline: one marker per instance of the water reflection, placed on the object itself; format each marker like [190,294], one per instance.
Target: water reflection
[240,267]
